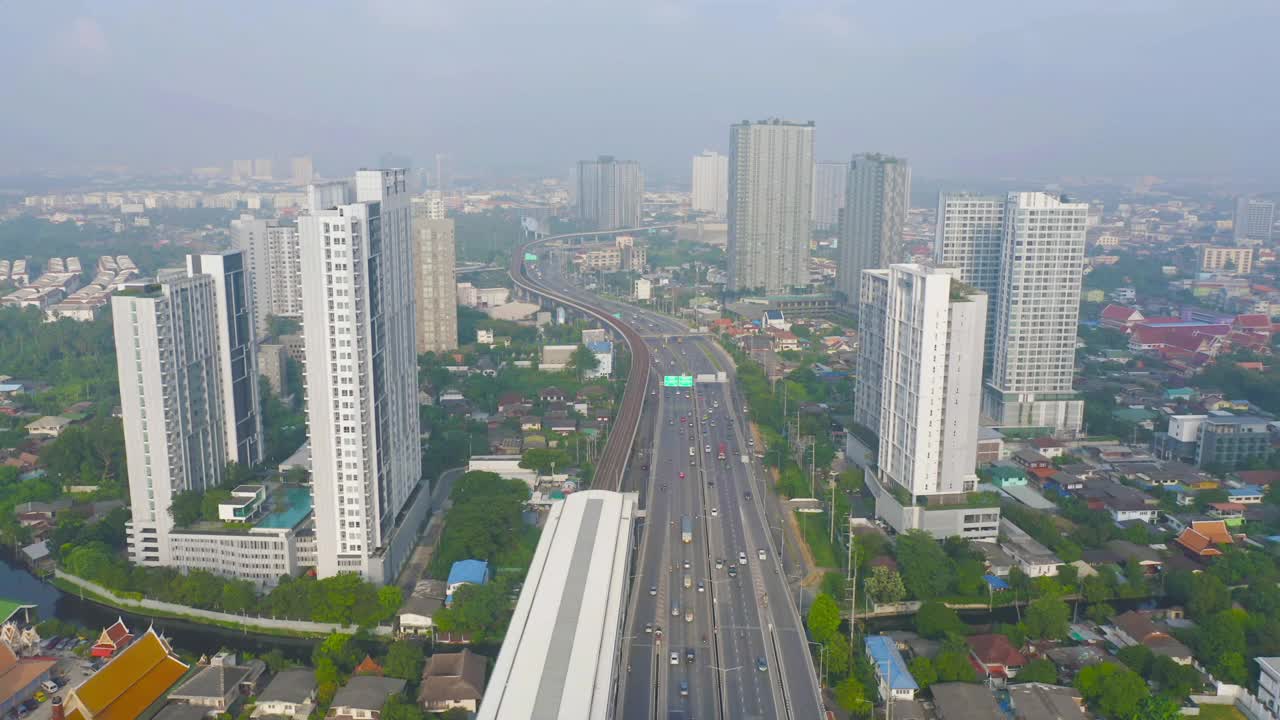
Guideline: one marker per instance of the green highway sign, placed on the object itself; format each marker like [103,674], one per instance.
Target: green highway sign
[530,257]
[677,381]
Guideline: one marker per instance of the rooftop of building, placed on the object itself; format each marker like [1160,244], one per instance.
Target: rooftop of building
[965,701]
[886,659]
[1041,701]
[561,645]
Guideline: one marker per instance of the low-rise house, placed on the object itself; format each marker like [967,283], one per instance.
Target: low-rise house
[20,677]
[290,694]
[1032,558]
[1245,494]
[1269,684]
[894,679]
[1136,628]
[1049,447]
[221,683]
[363,697]
[49,426]
[1032,460]
[1041,701]
[995,658]
[551,394]
[1231,513]
[453,680]
[465,572]
[1120,501]
[1146,557]
[417,613]
[965,701]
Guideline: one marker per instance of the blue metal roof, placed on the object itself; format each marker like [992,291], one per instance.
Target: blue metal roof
[475,572]
[600,346]
[1245,490]
[995,582]
[886,658]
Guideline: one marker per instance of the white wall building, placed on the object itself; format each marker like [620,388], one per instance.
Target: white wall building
[436,286]
[359,320]
[237,350]
[1037,315]
[174,430]
[922,398]
[770,201]
[271,254]
[1253,220]
[969,236]
[877,197]
[710,183]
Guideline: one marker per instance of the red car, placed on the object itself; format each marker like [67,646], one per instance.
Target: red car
[682,419]
[681,476]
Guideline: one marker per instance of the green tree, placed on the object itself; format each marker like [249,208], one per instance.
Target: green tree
[390,598]
[398,707]
[404,660]
[1139,658]
[1048,618]
[1039,670]
[824,618]
[1099,612]
[839,659]
[923,671]
[885,585]
[926,569]
[1158,707]
[935,620]
[1114,691]
[238,596]
[851,696]
[1175,679]
[953,666]
[545,460]
[185,507]
[583,360]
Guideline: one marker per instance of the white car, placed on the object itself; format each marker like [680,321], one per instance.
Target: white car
[761,554]
[742,558]
[675,658]
[715,512]
[675,611]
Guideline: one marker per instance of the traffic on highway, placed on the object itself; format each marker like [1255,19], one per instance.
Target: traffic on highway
[711,630]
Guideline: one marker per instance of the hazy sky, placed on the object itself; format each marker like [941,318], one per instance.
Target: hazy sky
[970,88]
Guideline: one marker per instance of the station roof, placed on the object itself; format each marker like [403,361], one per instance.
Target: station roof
[558,658]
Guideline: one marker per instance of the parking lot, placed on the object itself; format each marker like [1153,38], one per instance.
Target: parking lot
[69,666]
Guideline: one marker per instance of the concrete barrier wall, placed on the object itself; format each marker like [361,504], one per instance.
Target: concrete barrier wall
[196,614]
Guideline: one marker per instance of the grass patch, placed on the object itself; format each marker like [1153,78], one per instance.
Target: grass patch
[1220,712]
[814,528]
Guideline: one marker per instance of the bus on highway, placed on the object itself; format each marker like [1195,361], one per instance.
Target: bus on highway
[686,529]
[724,449]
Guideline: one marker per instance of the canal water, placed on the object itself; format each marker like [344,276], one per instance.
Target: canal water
[21,586]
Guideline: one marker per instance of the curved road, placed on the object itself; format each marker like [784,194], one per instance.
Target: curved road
[617,449]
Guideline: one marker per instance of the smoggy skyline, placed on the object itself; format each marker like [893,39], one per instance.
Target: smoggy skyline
[986,89]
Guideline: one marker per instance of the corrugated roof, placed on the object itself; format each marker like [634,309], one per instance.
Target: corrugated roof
[885,658]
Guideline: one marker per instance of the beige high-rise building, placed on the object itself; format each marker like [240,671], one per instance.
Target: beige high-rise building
[770,202]
[434,263]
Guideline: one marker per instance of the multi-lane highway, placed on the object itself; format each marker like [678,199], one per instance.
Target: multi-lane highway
[749,655]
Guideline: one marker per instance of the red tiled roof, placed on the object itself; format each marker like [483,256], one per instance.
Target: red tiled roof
[1254,321]
[1227,506]
[995,650]
[368,666]
[1258,477]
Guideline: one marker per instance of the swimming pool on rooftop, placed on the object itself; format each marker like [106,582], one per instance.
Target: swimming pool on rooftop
[299,504]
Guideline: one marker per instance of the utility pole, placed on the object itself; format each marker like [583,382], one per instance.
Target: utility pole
[852,573]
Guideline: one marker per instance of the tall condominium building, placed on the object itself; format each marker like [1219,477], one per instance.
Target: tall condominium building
[920,372]
[1037,311]
[968,237]
[610,192]
[271,259]
[437,288]
[710,183]
[237,352]
[432,203]
[167,358]
[770,200]
[1253,220]
[830,179]
[359,327]
[303,170]
[877,196]
[241,169]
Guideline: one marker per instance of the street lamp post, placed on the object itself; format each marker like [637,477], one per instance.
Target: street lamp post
[822,656]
